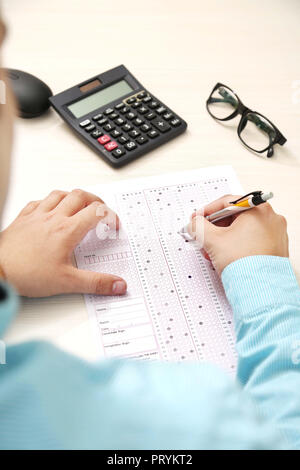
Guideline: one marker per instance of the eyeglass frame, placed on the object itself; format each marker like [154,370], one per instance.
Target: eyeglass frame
[244,111]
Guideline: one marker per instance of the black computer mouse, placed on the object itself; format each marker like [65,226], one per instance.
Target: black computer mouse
[31,93]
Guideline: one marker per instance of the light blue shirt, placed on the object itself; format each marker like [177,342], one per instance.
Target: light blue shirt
[51,400]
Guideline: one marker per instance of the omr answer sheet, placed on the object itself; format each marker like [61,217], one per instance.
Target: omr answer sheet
[175,308]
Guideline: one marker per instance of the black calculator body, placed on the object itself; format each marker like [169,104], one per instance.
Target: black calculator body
[116,116]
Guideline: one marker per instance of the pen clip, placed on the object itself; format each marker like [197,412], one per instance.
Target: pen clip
[253,193]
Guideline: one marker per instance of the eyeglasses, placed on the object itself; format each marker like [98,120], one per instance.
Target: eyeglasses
[254,130]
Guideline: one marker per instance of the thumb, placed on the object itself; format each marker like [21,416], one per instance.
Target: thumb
[203,231]
[90,282]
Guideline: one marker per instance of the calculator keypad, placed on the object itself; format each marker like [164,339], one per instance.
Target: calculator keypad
[104,139]
[96,134]
[85,123]
[131,123]
[97,117]
[90,128]
[112,145]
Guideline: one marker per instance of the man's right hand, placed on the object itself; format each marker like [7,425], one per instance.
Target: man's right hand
[259,231]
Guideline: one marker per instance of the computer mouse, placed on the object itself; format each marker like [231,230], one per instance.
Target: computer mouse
[31,93]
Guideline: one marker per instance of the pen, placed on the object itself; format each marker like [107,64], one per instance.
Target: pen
[242,204]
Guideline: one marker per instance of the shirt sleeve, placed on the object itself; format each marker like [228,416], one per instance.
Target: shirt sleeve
[51,400]
[265,298]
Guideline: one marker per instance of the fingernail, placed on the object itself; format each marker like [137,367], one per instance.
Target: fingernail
[119,287]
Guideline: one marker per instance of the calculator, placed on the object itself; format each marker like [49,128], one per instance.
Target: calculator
[116,116]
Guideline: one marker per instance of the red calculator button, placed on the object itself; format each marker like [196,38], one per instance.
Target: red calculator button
[104,139]
[111,146]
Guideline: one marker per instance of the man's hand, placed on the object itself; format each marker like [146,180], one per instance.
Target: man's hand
[259,231]
[36,249]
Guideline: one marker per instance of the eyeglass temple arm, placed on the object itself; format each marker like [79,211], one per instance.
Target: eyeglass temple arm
[265,127]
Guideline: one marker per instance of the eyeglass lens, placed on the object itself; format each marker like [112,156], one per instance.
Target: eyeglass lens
[222,103]
[257,132]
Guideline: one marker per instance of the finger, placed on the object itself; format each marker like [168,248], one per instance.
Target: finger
[75,201]
[221,223]
[88,218]
[203,231]
[216,205]
[89,282]
[29,208]
[263,211]
[52,200]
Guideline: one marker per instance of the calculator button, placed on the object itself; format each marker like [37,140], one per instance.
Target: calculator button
[131,116]
[153,105]
[102,122]
[142,140]
[136,105]
[134,133]
[168,116]
[152,134]
[97,117]
[90,128]
[175,122]
[111,146]
[127,128]
[150,116]
[142,95]
[125,110]
[119,106]
[116,133]
[131,100]
[96,134]
[113,116]
[145,127]
[104,139]
[161,125]
[161,110]
[119,121]
[109,127]
[108,111]
[131,145]
[143,110]
[147,99]
[85,123]
[123,139]
[118,153]
[138,122]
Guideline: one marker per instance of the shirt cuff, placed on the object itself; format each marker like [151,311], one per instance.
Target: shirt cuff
[257,283]
[9,304]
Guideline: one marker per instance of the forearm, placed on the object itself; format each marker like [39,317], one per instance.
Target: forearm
[265,298]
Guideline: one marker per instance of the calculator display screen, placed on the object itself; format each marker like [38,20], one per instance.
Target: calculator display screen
[100,98]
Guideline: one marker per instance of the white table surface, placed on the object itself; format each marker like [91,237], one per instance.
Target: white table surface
[178,50]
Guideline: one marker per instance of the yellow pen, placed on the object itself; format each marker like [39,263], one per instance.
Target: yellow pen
[244,203]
